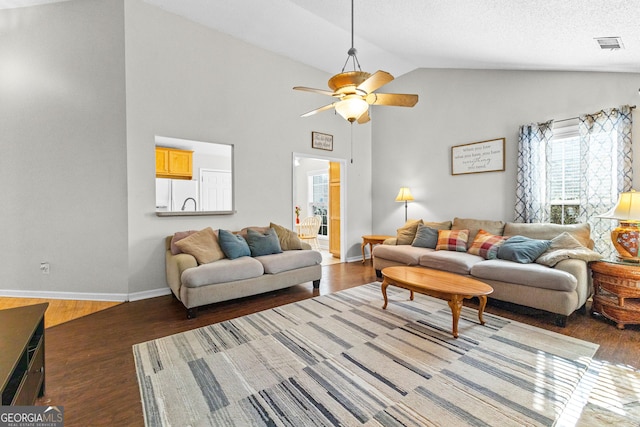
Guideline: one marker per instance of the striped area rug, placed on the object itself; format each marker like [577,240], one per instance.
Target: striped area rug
[339,359]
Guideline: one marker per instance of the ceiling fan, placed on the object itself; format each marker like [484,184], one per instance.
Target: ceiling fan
[355,90]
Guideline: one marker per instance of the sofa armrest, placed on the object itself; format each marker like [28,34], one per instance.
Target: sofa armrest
[579,269]
[175,265]
[390,241]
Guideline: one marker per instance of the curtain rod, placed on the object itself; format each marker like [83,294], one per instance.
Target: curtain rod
[633,107]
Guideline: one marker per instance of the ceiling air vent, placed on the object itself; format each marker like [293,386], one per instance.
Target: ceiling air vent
[610,43]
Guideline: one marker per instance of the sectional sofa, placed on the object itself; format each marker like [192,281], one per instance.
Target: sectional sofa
[199,272]
[554,277]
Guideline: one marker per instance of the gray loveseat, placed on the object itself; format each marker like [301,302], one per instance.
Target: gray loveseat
[561,289]
[198,281]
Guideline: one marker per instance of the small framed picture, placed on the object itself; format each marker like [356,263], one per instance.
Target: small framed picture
[484,156]
[321,141]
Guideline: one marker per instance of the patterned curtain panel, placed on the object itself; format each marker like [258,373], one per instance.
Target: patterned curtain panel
[605,168]
[533,186]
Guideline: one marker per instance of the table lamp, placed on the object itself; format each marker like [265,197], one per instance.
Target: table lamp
[626,235]
[404,195]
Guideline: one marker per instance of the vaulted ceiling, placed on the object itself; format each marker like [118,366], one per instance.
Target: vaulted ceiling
[401,35]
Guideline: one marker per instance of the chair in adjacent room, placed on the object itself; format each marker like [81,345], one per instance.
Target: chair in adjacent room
[308,230]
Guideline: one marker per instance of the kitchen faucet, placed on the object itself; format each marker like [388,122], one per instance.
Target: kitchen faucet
[195,206]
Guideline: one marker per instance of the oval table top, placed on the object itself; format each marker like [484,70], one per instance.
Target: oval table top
[436,280]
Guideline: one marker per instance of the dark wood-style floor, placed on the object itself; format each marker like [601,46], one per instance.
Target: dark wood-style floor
[89,361]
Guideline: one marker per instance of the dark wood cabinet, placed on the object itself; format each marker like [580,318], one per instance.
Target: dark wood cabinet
[22,354]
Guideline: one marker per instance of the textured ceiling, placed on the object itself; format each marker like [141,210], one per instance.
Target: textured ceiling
[401,35]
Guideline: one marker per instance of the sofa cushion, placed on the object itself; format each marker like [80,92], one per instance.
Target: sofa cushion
[426,237]
[233,246]
[289,260]
[404,254]
[534,275]
[474,225]
[452,240]
[565,246]
[582,232]
[407,232]
[177,236]
[486,245]
[288,239]
[266,243]
[522,249]
[454,262]
[202,245]
[225,270]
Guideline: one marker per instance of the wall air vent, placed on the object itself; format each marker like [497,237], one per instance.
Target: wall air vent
[610,43]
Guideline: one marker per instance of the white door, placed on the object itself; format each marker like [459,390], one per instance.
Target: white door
[215,190]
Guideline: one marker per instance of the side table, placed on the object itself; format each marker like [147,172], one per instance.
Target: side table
[371,240]
[616,291]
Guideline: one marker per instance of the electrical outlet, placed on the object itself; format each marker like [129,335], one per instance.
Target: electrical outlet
[44,267]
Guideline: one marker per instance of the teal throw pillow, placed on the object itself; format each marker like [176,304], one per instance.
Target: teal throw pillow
[522,249]
[232,245]
[426,237]
[263,244]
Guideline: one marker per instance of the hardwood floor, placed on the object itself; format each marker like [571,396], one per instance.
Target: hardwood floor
[89,361]
[59,310]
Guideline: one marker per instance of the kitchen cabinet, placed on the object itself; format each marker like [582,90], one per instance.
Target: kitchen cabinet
[173,163]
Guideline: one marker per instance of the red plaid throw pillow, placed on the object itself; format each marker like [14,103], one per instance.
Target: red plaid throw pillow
[452,240]
[486,245]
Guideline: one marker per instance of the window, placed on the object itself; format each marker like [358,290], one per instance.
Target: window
[319,197]
[564,175]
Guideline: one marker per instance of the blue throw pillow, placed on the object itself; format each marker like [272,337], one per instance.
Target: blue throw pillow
[232,245]
[522,249]
[263,244]
[426,237]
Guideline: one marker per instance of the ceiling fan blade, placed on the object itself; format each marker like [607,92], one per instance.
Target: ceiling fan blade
[310,89]
[375,81]
[318,110]
[364,118]
[394,99]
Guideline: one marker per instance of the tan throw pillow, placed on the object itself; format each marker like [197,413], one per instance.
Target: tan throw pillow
[288,239]
[407,232]
[565,246]
[203,245]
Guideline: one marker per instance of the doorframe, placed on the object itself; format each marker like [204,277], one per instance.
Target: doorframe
[343,192]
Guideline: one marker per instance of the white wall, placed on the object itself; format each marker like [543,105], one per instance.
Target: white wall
[186,81]
[62,138]
[412,147]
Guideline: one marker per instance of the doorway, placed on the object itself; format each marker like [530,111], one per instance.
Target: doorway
[319,189]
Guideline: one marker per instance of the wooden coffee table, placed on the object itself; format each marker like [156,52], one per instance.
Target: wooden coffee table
[439,284]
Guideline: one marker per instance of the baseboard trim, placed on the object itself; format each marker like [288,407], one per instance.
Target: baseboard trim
[137,296]
[82,296]
[63,295]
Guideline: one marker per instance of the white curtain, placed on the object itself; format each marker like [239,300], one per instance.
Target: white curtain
[605,170]
[605,167]
[533,187]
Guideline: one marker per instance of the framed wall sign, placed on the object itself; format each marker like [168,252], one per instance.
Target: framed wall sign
[476,157]
[321,141]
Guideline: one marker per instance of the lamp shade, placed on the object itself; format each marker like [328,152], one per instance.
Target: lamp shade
[627,208]
[351,107]
[404,195]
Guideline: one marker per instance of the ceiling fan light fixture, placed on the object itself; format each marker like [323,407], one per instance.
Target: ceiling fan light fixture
[351,107]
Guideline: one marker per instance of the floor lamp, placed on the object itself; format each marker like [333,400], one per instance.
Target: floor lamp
[404,195]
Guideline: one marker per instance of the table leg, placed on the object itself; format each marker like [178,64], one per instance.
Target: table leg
[364,243]
[411,295]
[455,303]
[483,303]
[384,292]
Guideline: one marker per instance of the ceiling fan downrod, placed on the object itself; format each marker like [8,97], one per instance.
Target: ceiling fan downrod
[352,52]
